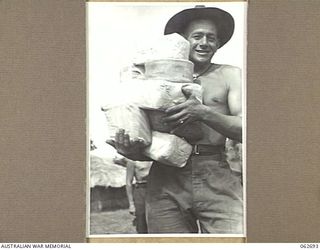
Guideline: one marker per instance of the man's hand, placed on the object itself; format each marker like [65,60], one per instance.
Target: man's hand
[188,111]
[132,209]
[126,147]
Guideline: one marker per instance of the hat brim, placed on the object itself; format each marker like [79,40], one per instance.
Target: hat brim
[222,19]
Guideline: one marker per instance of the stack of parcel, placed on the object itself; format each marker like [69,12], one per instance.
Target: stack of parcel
[153,84]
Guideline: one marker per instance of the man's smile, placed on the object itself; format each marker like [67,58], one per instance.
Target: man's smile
[203,52]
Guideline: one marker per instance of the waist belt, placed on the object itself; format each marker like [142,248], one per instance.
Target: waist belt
[201,149]
[140,184]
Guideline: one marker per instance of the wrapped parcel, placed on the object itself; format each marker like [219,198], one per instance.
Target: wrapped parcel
[174,70]
[153,94]
[168,149]
[161,77]
[130,118]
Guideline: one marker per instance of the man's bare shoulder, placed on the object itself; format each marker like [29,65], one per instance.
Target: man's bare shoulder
[228,69]
[230,74]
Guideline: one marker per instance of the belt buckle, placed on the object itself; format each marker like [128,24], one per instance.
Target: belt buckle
[196,150]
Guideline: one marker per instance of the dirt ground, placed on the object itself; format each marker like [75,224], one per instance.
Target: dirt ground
[111,222]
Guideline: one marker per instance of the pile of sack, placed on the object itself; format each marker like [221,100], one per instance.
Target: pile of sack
[153,84]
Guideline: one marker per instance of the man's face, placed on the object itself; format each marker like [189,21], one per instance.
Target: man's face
[203,38]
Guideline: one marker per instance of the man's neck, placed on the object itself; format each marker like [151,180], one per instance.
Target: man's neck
[200,68]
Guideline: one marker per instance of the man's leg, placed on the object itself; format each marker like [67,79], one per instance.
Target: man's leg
[165,216]
[139,194]
[219,197]
[168,203]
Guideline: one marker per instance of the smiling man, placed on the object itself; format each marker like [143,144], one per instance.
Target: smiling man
[203,37]
[205,195]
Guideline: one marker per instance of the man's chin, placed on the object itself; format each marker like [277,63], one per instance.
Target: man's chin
[201,61]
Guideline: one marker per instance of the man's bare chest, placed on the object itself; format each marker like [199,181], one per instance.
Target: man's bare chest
[215,91]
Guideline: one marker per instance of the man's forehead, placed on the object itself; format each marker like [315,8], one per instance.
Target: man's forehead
[201,24]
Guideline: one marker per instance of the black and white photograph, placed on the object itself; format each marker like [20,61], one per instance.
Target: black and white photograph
[166,119]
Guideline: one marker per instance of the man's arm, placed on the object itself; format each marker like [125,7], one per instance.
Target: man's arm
[228,125]
[193,110]
[129,189]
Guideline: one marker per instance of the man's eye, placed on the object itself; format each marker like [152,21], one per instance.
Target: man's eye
[196,37]
[212,39]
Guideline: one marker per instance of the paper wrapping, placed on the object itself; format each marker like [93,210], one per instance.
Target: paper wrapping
[152,94]
[130,118]
[168,149]
[130,72]
[175,70]
[172,46]
[155,94]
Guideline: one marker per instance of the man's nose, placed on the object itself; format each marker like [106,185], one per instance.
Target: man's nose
[204,41]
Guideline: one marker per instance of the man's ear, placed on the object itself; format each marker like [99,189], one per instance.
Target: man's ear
[218,43]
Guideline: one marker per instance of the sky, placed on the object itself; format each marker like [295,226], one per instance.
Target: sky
[116,30]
